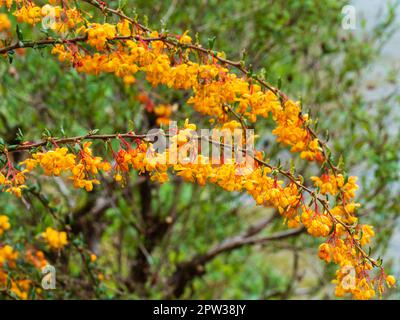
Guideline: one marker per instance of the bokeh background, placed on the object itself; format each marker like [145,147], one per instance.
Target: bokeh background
[348,79]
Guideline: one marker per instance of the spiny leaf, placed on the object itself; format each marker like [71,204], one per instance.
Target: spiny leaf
[211,42]
[93,132]
[19,34]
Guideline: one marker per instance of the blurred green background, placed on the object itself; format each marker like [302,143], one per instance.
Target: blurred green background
[348,79]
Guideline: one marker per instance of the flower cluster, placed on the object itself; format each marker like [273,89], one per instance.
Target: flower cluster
[5,23]
[55,239]
[17,282]
[88,166]
[53,162]
[59,19]
[56,18]
[329,183]
[81,167]
[12,180]
[4,224]
[318,225]
[19,286]
[19,265]
[29,13]
[9,3]
[344,248]
[99,34]
[36,258]
[162,111]
[291,130]
[8,255]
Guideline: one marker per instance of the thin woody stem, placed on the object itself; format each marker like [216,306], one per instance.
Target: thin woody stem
[29,146]
[51,41]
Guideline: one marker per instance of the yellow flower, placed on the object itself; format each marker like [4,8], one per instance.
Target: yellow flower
[17,191]
[350,188]
[99,34]
[390,281]
[318,225]
[328,183]
[4,224]
[294,223]
[118,177]
[55,239]
[8,3]
[189,126]
[8,255]
[36,258]
[53,162]
[124,28]
[324,252]
[366,234]
[5,23]
[21,288]
[29,13]
[93,257]
[185,38]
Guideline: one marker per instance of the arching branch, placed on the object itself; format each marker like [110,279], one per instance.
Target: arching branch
[187,271]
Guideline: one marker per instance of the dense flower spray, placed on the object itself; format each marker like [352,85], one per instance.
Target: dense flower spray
[225,91]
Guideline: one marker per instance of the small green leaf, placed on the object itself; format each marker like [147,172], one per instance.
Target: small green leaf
[93,132]
[10,55]
[211,42]
[19,34]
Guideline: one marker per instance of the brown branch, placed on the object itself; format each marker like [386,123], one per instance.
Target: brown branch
[260,225]
[59,141]
[187,271]
[51,41]
[38,43]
